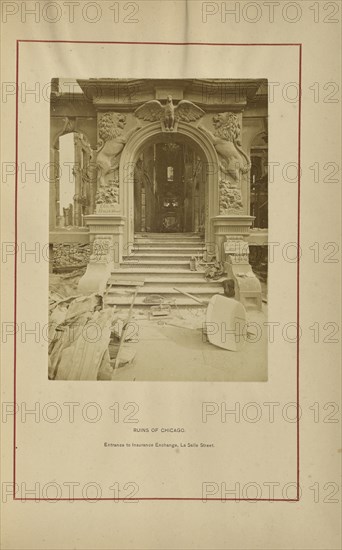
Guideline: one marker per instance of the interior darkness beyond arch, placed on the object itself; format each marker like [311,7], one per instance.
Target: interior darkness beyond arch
[169,186]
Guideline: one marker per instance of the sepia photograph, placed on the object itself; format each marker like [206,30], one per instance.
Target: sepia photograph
[158,229]
[171,185]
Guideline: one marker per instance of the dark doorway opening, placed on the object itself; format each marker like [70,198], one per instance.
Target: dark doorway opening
[169,189]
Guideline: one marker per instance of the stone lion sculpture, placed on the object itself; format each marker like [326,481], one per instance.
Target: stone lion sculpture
[226,140]
[112,142]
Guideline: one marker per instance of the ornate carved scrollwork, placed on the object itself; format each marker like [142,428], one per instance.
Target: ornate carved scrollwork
[102,249]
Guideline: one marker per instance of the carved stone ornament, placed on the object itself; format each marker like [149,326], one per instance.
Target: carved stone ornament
[169,114]
[233,161]
[102,249]
[247,285]
[237,249]
[230,198]
[108,192]
[112,141]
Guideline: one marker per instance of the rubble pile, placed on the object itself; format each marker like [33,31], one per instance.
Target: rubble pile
[64,285]
[83,341]
[70,256]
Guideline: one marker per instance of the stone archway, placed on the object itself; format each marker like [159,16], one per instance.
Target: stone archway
[112,228]
[149,134]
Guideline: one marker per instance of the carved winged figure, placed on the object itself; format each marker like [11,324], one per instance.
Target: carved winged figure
[233,161]
[226,140]
[112,141]
[169,114]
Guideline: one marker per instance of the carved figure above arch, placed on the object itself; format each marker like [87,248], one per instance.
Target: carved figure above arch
[169,114]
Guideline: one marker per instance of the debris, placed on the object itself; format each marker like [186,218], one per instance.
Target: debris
[54,298]
[229,288]
[181,323]
[81,334]
[193,266]
[118,356]
[163,310]
[214,271]
[126,282]
[68,256]
[154,299]
[65,284]
[73,274]
[78,351]
[190,296]
[126,357]
[226,323]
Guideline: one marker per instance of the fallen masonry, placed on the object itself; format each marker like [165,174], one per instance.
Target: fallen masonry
[84,338]
[90,339]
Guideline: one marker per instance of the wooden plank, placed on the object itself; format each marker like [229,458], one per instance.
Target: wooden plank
[191,296]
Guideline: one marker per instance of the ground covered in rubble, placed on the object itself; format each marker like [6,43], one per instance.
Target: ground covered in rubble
[176,349]
[85,338]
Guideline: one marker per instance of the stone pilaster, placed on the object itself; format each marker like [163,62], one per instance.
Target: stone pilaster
[106,240]
[54,189]
[231,233]
[237,226]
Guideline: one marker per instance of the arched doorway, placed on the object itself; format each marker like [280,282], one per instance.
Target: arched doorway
[169,182]
[169,187]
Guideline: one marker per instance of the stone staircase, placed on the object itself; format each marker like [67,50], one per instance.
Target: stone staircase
[162,261]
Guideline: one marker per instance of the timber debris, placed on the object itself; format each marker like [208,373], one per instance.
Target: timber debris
[84,340]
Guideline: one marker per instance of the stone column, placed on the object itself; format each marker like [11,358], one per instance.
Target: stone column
[232,224]
[231,234]
[226,227]
[56,168]
[106,241]
[77,172]
[53,194]
[92,173]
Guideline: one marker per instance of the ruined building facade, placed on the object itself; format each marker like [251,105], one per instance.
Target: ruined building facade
[162,160]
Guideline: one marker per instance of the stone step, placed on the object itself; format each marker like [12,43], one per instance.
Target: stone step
[169,245]
[169,290]
[166,236]
[158,247]
[169,239]
[170,242]
[139,273]
[197,280]
[139,301]
[159,257]
[151,264]
[162,261]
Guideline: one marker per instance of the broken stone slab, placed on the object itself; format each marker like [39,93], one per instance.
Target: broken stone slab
[226,324]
